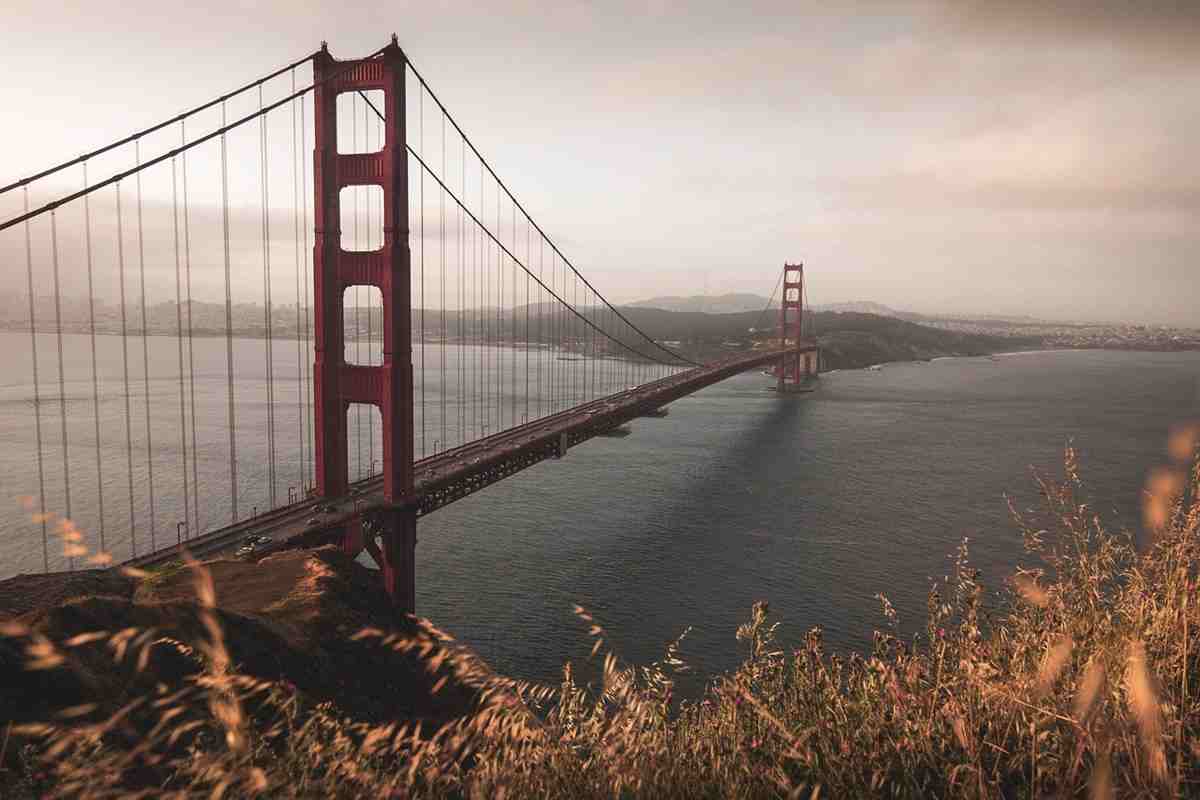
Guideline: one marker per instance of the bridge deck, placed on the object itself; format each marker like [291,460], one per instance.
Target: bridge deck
[453,474]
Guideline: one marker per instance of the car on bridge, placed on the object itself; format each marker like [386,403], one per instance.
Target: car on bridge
[253,544]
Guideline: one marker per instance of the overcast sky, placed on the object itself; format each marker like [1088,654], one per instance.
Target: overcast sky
[1000,157]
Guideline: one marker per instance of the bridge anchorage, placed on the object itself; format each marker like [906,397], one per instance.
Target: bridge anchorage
[491,351]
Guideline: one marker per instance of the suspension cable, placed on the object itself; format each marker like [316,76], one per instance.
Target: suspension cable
[220,132]
[87,217]
[125,369]
[370,314]
[357,297]
[153,128]
[308,355]
[299,330]
[228,325]
[771,300]
[37,398]
[267,315]
[442,253]
[187,264]
[424,418]
[62,394]
[145,347]
[183,442]
[502,185]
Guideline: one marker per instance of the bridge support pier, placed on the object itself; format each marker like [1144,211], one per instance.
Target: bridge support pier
[399,554]
[388,386]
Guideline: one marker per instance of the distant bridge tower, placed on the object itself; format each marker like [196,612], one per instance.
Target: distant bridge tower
[800,360]
[390,385]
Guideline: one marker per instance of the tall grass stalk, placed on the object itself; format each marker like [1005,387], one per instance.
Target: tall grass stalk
[1077,687]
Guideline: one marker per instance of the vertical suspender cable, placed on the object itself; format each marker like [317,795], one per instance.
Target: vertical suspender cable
[460,232]
[512,339]
[37,398]
[308,354]
[87,232]
[233,481]
[529,259]
[299,328]
[424,418]
[540,311]
[482,295]
[592,361]
[554,337]
[493,350]
[462,318]
[501,260]
[370,305]
[62,394]
[183,441]
[357,294]
[442,254]
[574,330]
[125,368]
[187,266]
[478,261]
[145,344]
[560,365]
[264,174]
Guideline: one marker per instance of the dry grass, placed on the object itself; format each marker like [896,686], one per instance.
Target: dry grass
[1082,686]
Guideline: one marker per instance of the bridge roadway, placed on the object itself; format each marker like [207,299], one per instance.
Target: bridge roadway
[453,474]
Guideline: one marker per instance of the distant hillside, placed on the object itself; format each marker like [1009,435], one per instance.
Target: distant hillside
[863,307]
[710,304]
[737,302]
[849,340]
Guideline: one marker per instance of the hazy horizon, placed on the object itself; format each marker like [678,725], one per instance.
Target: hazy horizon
[967,157]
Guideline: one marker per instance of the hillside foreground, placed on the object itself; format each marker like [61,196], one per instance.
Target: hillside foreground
[288,677]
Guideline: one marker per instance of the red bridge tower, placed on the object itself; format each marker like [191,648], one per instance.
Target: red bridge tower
[800,362]
[338,384]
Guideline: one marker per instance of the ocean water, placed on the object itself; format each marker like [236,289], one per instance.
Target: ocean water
[814,503]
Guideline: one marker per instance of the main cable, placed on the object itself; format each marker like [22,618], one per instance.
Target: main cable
[506,251]
[153,128]
[502,185]
[220,132]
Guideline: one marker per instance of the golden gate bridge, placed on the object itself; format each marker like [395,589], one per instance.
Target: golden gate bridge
[403,233]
